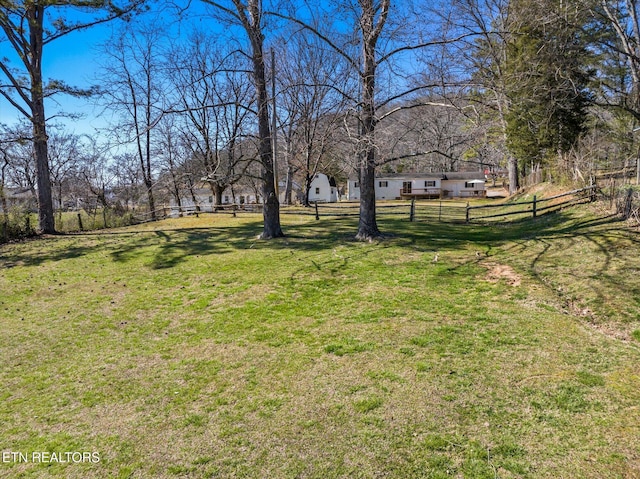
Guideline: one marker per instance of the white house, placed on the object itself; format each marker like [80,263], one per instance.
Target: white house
[323,189]
[424,185]
[205,200]
[24,197]
[240,194]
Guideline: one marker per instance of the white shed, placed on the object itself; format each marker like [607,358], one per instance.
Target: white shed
[323,189]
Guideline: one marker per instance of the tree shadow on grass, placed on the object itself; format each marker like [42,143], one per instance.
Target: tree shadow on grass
[569,252]
[551,225]
[170,246]
[42,249]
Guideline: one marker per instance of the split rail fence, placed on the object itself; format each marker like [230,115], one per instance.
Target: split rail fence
[452,212]
[414,210]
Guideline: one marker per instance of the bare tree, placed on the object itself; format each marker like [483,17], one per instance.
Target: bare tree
[433,136]
[17,147]
[125,180]
[171,154]
[135,90]
[620,83]
[4,164]
[6,140]
[214,100]
[64,156]
[311,106]
[484,81]
[622,18]
[95,175]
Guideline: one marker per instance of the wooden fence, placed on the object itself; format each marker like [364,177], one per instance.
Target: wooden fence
[414,210]
[452,212]
[625,202]
[530,209]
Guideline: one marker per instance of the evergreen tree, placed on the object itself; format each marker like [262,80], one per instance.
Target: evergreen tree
[547,69]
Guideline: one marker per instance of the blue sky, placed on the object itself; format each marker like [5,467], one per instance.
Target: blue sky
[74,59]
[71,59]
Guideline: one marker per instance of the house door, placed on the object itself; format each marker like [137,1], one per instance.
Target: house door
[406,187]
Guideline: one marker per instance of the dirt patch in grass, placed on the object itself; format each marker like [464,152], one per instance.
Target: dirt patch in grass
[497,272]
[619,331]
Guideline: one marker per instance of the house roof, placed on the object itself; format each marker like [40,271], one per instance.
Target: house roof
[445,175]
[18,193]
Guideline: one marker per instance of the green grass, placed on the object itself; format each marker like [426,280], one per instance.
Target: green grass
[188,348]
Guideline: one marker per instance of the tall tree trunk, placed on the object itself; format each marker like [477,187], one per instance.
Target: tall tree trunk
[271,206]
[371,28]
[193,195]
[307,189]
[367,225]
[288,192]
[152,204]
[249,15]
[176,192]
[217,194]
[514,179]
[148,170]
[45,201]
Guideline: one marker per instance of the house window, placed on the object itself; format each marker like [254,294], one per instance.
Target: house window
[383,184]
[430,184]
[226,198]
[210,199]
[469,184]
[317,191]
[356,184]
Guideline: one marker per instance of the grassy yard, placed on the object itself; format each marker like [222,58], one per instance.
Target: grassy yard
[190,349]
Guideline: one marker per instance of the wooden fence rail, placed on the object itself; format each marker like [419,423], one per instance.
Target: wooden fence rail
[415,210]
[533,208]
[451,212]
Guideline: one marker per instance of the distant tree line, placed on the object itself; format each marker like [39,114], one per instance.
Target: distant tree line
[269,94]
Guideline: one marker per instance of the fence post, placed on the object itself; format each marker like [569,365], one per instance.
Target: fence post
[467,213]
[317,214]
[412,210]
[535,206]
[628,204]
[80,222]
